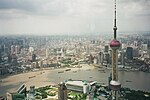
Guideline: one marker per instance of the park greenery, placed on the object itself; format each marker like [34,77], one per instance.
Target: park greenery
[126,93]
[76,96]
[135,95]
[46,91]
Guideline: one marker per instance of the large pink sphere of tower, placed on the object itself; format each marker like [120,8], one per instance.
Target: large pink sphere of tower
[115,44]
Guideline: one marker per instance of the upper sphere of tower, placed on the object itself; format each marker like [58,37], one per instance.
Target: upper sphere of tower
[115,44]
[115,28]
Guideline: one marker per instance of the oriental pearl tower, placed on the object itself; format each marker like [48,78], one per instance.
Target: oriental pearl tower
[115,44]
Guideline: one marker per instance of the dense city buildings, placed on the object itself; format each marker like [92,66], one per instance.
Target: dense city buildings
[71,52]
[75,67]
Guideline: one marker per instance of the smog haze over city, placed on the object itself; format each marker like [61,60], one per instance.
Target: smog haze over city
[74,49]
[60,17]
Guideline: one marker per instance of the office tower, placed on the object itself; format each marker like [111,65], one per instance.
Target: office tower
[122,58]
[110,57]
[6,50]
[91,59]
[129,53]
[31,49]
[135,52]
[14,59]
[9,58]
[17,49]
[106,48]
[41,63]
[145,47]
[32,93]
[12,49]
[32,90]
[62,91]
[0,55]
[33,57]
[109,78]
[47,52]
[115,44]
[101,58]
[95,61]
[106,58]
[135,43]
[87,49]
[2,47]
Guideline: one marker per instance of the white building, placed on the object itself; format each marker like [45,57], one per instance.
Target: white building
[144,46]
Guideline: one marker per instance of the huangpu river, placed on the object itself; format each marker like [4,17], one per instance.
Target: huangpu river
[134,80]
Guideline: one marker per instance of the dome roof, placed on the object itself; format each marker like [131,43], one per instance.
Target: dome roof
[115,43]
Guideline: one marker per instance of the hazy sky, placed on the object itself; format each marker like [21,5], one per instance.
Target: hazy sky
[72,16]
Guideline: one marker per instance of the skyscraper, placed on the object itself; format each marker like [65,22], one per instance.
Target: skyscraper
[129,53]
[47,52]
[115,44]
[33,57]
[101,58]
[12,49]
[0,55]
[17,49]
[62,92]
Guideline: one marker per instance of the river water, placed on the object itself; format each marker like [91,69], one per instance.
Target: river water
[134,80]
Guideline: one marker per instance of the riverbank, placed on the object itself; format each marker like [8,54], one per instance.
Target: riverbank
[38,78]
[135,80]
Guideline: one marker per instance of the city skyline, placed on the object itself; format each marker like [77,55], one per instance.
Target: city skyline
[70,17]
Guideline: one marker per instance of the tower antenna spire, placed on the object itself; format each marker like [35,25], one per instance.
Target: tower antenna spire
[115,23]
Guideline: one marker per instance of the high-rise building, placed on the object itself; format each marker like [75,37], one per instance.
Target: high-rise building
[91,59]
[31,49]
[145,47]
[106,48]
[101,58]
[33,57]
[17,49]
[3,47]
[32,93]
[135,52]
[40,63]
[129,53]
[6,50]
[135,43]
[9,58]
[115,85]
[47,52]
[95,60]
[106,58]
[0,55]
[62,92]
[12,49]
[122,58]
